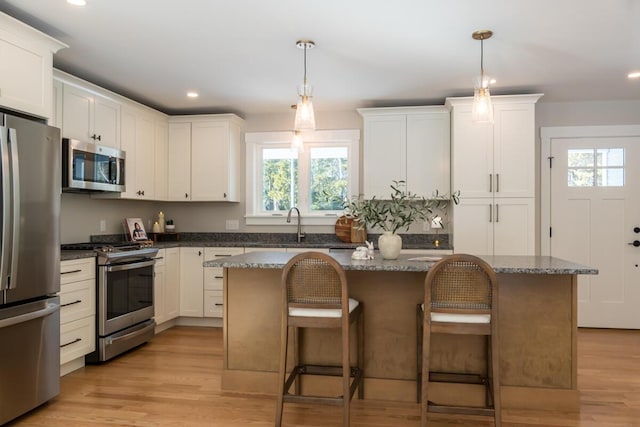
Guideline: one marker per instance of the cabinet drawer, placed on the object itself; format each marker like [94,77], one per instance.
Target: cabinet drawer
[213,303]
[213,279]
[77,300]
[77,338]
[77,269]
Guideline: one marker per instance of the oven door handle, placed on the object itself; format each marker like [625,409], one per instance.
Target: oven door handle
[132,266]
[133,334]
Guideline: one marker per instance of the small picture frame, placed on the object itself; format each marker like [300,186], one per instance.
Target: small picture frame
[135,229]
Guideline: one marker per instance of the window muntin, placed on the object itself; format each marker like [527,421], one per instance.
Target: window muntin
[595,167]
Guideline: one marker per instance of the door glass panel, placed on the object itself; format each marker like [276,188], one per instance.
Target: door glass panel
[595,167]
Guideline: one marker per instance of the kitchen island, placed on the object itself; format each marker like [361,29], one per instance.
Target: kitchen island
[538,329]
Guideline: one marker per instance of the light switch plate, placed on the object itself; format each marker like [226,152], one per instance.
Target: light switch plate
[232,224]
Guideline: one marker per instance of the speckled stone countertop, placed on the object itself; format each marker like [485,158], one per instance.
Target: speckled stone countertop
[500,264]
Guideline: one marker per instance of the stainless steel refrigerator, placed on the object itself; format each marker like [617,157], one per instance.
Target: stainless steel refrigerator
[29,264]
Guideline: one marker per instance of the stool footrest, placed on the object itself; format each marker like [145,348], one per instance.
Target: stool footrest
[448,377]
[334,371]
[463,410]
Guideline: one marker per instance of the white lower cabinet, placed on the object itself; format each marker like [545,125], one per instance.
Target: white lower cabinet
[191,282]
[77,312]
[166,285]
[213,280]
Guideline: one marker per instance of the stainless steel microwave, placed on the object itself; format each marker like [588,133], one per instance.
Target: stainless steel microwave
[89,167]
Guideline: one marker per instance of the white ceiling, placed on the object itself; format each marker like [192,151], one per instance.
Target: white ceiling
[240,55]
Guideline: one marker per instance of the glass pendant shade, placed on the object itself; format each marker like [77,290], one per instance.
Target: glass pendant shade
[305,117]
[296,141]
[482,108]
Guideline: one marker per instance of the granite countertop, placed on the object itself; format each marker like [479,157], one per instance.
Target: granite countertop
[500,264]
[264,240]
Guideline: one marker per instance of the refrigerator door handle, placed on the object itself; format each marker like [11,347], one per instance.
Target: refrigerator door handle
[5,251]
[50,308]
[15,202]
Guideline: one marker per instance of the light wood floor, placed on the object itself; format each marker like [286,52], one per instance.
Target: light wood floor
[175,381]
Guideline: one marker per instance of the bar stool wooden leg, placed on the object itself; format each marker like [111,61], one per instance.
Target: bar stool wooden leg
[346,370]
[426,358]
[361,354]
[284,337]
[495,380]
[419,315]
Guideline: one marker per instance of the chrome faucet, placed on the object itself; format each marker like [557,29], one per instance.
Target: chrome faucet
[300,233]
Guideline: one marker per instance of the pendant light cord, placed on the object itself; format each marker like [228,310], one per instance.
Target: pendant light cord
[482,63]
[305,70]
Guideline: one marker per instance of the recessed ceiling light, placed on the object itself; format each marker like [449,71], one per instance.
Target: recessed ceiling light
[77,2]
[634,75]
[492,81]
[192,94]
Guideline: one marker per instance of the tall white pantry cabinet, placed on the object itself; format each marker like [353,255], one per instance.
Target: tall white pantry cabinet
[493,167]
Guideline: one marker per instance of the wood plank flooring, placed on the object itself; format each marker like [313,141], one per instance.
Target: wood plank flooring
[175,381]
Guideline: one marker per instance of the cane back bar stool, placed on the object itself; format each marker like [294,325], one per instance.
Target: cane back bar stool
[461,297]
[315,295]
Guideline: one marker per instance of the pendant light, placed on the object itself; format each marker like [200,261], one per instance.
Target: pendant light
[482,109]
[305,118]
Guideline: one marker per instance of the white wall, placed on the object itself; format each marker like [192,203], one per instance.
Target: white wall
[81,214]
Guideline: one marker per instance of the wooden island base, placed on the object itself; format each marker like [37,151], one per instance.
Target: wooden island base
[538,334]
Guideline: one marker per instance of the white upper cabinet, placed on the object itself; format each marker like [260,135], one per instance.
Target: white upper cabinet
[494,160]
[179,168]
[139,145]
[161,144]
[27,67]
[89,117]
[406,144]
[207,158]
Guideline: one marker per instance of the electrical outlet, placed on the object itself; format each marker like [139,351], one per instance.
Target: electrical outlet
[232,224]
[103,225]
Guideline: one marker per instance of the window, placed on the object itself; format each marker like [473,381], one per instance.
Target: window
[595,167]
[314,178]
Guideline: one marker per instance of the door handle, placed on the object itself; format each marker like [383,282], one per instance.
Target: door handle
[635,243]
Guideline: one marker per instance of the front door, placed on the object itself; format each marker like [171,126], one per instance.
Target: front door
[594,203]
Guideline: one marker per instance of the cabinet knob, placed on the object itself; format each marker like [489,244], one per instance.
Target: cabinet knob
[99,138]
[93,136]
[224,195]
[636,230]
[186,195]
[635,243]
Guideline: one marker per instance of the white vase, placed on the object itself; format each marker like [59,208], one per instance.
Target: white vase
[390,245]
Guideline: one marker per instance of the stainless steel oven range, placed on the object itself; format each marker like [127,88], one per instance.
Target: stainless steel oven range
[124,297]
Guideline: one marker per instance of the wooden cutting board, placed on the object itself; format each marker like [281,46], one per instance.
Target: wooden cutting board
[343,229]
[347,230]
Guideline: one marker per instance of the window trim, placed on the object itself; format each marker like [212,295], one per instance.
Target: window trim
[255,140]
